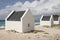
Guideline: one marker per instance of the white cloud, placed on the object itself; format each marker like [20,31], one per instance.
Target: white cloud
[37,7]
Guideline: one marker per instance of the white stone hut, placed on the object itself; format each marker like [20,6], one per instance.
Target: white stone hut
[56,19]
[46,20]
[20,21]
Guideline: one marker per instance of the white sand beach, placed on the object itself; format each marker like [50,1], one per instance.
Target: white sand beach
[45,34]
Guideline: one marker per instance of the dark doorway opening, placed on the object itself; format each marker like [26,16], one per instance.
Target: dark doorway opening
[28,25]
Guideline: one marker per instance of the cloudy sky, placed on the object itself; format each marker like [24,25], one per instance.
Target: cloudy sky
[37,6]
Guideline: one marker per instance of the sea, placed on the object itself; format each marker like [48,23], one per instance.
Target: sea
[37,22]
[2,22]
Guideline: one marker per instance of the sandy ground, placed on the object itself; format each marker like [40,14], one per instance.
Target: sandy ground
[53,34]
[48,30]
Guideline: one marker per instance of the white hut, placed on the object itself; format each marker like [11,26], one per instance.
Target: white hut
[56,19]
[46,20]
[20,21]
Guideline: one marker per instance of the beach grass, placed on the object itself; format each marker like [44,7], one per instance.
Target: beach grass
[34,31]
[46,33]
[46,26]
[57,25]
[54,26]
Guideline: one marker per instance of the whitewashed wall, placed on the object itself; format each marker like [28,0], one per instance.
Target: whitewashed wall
[56,22]
[13,25]
[28,19]
[51,20]
[45,23]
[59,19]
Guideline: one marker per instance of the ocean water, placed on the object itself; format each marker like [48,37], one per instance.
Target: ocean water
[37,21]
[2,22]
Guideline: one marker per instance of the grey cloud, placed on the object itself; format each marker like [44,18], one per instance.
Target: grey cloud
[37,7]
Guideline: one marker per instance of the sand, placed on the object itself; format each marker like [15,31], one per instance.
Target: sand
[46,34]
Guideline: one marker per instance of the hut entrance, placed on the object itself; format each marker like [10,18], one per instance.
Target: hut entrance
[28,27]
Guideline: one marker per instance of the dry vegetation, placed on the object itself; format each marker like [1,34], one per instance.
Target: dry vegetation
[54,26]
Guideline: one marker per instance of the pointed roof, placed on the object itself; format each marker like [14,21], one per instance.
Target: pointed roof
[16,16]
[46,18]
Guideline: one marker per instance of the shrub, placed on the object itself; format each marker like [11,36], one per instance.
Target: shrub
[45,33]
[34,31]
[46,26]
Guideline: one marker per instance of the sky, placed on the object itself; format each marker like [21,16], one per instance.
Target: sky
[37,7]
[4,3]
